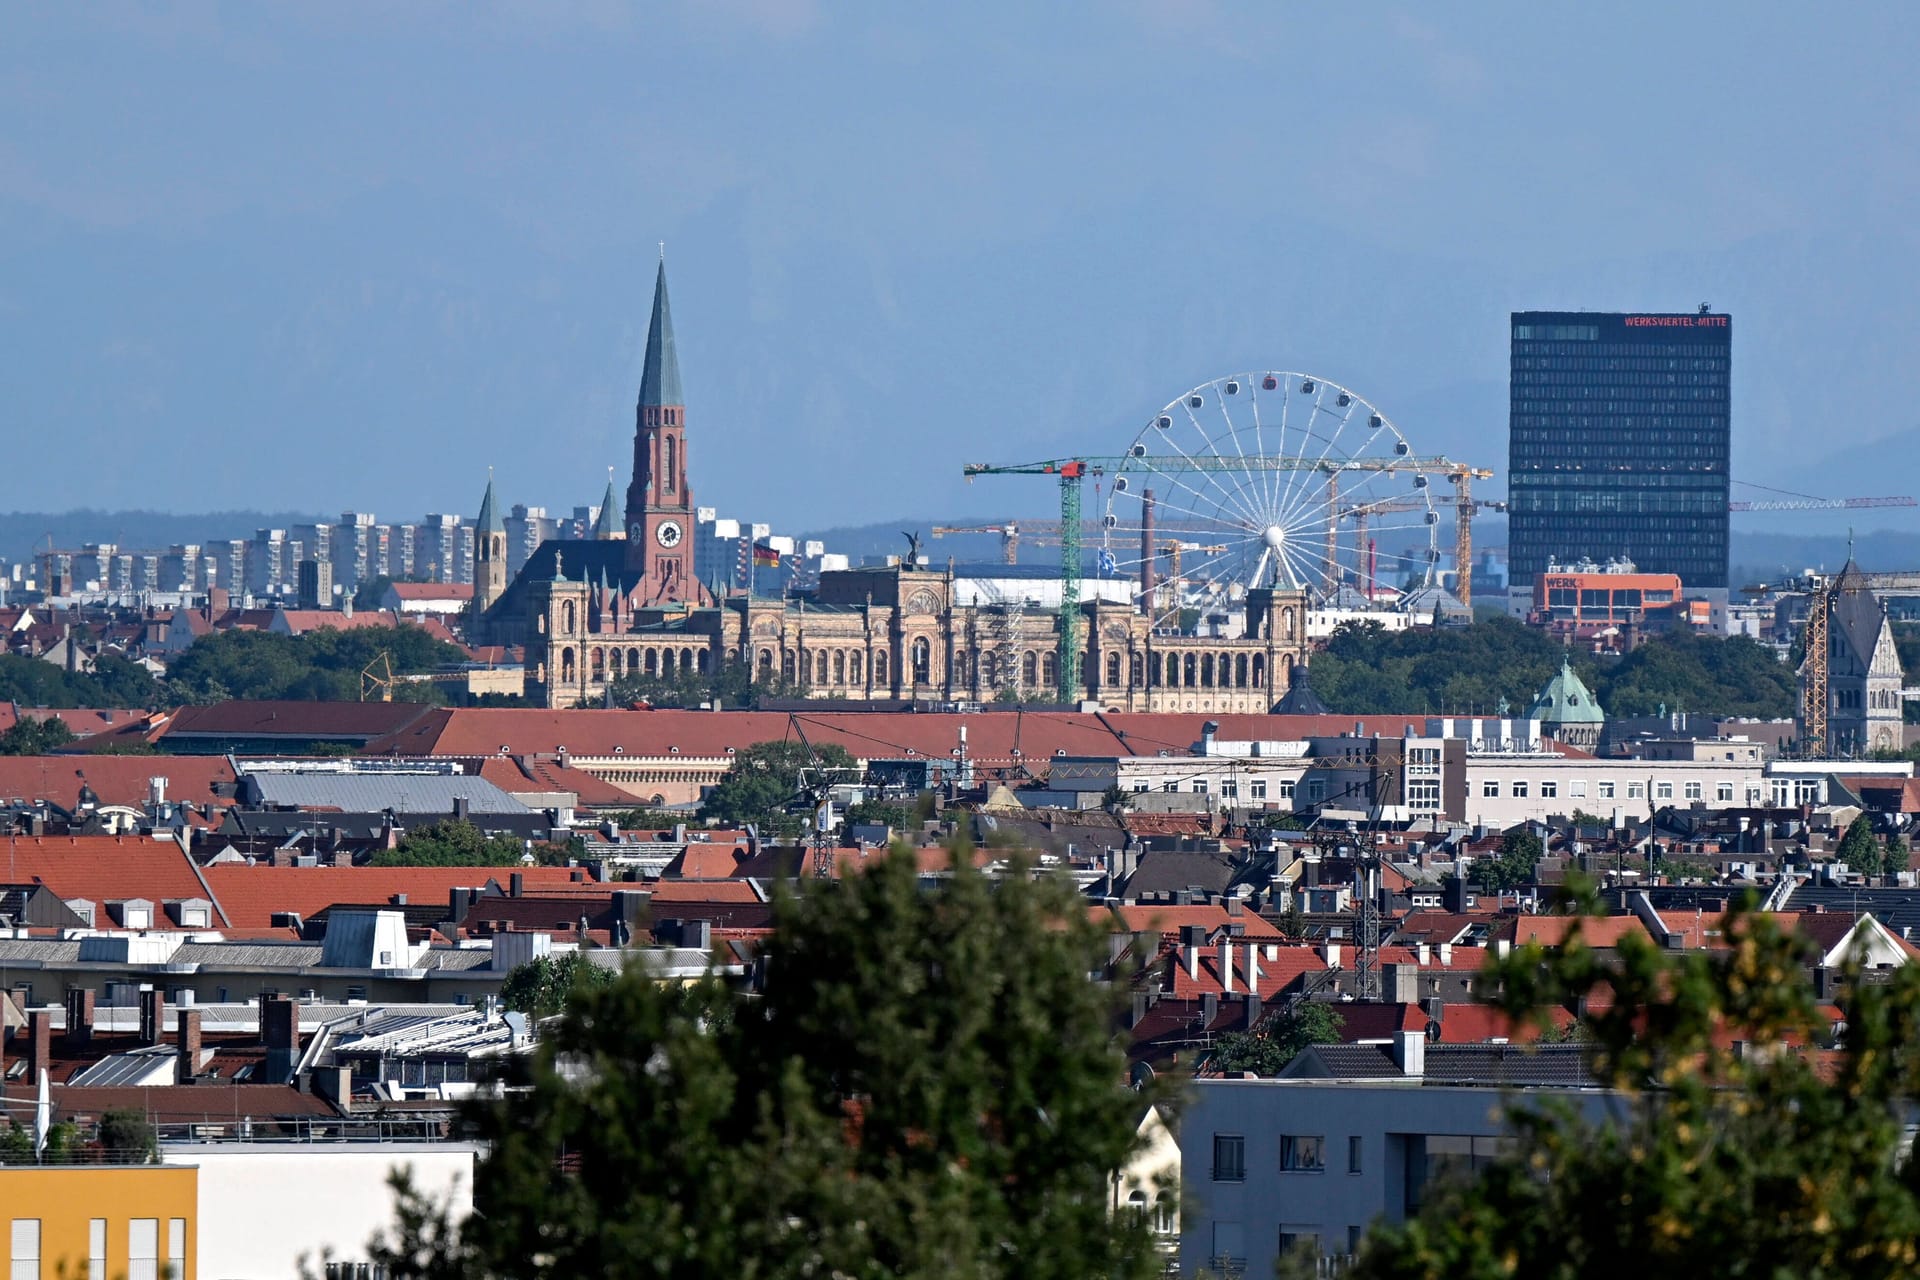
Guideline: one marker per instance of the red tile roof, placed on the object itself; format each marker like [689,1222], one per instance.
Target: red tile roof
[706,860]
[1277,973]
[431,590]
[300,621]
[102,868]
[1153,917]
[122,780]
[993,737]
[81,720]
[251,895]
[292,719]
[1479,1024]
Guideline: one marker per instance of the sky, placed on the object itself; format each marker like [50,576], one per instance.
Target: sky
[349,256]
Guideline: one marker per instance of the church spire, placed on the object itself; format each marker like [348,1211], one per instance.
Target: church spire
[660,375]
[605,527]
[489,520]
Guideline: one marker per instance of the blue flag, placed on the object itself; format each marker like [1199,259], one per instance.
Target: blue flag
[1105,561]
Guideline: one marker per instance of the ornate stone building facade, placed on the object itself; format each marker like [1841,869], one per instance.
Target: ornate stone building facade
[589,612]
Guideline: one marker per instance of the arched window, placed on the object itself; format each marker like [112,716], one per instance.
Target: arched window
[653,662]
[786,664]
[666,662]
[1030,667]
[820,666]
[1259,670]
[1049,669]
[1113,670]
[853,666]
[673,461]
[1137,1205]
[1133,671]
[1187,668]
[1240,671]
[989,668]
[1286,624]
[922,661]
[686,659]
[598,658]
[1206,670]
[766,664]
[566,665]
[839,666]
[569,619]
[700,660]
[880,666]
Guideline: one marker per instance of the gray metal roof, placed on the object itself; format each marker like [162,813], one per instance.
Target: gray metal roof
[371,793]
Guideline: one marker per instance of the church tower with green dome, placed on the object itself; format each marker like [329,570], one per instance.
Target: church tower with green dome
[1567,711]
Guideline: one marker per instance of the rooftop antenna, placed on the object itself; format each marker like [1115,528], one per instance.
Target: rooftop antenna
[663,251]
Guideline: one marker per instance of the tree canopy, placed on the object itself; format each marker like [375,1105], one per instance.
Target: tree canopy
[1266,1051]
[1790,1162]
[1860,847]
[322,665]
[766,778]
[927,1086]
[1367,670]
[451,843]
[114,682]
[1520,853]
[542,987]
[32,735]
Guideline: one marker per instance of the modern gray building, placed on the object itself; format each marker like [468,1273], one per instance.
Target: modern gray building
[1619,441]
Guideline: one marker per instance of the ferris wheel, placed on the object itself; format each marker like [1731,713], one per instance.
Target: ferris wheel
[1268,480]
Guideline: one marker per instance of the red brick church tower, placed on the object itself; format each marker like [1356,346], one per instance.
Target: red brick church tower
[660,520]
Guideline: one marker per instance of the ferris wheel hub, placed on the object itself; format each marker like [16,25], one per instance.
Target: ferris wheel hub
[1274,536]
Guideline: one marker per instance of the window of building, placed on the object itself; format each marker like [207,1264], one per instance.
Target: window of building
[1301,1241]
[1316,790]
[1229,1248]
[1257,789]
[1423,794]
[1520,791]
[1663,791]
[1604,790]
[1578,790]
[1490,789]
[143,1249]
[1163,1215]
[1353,1154]
[1286,788]
[1303,1153]
[26,1249]
[1141,787]
[1229,1157]
[177,1247]
[1230,789]
[1695,791]
[1171,788]
[1636,791]
[1199,786]
[1549,790]
[97,1249]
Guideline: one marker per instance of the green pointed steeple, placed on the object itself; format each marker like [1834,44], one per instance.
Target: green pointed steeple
[606,528]
[489,521]
[660,377]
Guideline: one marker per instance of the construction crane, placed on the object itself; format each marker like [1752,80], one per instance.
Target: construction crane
[1171,550]
[1813,690]
[1465,505]
[1071,472]
[1804,502]
[378,674]
[1009,536]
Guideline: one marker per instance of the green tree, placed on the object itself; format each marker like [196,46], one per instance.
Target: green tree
[1860,848]
[1720,1162]
[1897,856]
[1269,1049]
[114,682]
[322,665]
[766,778]
[128,1137]
[927,1086]
[542,987]
[451,843]
[1520,853]
[32,736]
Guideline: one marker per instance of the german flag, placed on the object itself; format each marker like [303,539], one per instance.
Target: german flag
[765,556]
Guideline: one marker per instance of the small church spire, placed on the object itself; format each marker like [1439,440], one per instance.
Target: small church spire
[605,527]
[489,520]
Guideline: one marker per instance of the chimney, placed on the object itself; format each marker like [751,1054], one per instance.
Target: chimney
[1253,1011]
[280,1032]
[462,809]
[1138,1010]
[187,1064]
[1226,967]
[1209,1009]
[1253,971]
[457,905]
[516,884]
[1435,1008]
[1410,1052]
[1422,954]
[153,1013]
[39,1043]
[1333,955]
[1446,955]
[79,1017]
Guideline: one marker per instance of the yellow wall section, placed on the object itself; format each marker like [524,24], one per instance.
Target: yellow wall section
[66,1198]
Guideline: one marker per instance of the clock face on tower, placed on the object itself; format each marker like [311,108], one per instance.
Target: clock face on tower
[668,533]
[636,531]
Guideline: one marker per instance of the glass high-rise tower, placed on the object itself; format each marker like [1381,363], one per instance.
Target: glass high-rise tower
[1618,442]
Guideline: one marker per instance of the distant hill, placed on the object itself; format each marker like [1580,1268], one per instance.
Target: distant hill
[23,531]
